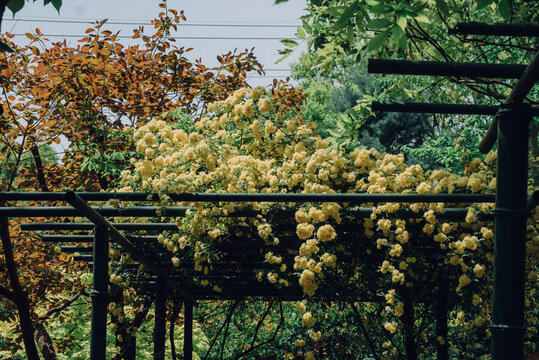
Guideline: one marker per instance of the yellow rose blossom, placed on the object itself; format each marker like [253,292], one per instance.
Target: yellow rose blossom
[304,230]
[479,270]
[396,250]
[326,233]
[399,309]
[391,327]
[308,319]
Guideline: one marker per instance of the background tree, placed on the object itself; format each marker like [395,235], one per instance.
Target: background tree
[338,103]
[418,30]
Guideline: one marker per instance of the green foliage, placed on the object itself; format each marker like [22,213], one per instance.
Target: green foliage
[338,103]
[399,26]
[16,5]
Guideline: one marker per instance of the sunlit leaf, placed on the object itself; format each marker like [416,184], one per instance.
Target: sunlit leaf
[300,32]
[399,37]
[377,41]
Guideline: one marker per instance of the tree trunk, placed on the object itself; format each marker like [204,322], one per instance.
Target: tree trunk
[44,341]
[19,295]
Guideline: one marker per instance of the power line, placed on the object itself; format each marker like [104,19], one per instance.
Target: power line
[149,24]
[173,37]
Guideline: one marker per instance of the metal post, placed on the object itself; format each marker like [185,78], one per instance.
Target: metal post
[510,233]
[408,323]
[442,347]
[159,331]
[188,330]
[99,294]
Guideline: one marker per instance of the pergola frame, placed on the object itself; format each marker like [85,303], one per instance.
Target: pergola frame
[510,128]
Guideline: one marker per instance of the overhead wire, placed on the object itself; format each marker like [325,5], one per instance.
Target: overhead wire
[145,22]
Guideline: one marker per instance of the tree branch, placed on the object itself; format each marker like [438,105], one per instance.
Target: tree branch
[365,333]
[65,305]
[39,168]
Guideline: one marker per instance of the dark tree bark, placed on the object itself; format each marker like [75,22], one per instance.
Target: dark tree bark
[20,297]
[39,168]
[44,341]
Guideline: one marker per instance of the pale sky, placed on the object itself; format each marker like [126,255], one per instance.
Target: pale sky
[226,16]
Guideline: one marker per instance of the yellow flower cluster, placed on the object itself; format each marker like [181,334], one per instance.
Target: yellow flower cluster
[241,146]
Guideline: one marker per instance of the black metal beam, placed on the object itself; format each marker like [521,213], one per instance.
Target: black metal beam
[518,94]
[87,196]
[67,238]
[496,29]
[175,211]
[84,209]
[83,257]
[188,330]
[68,211]
[73,249]
[89,226]
[99,294]
[510,233]
[463,109]
[159,330]
[437,68]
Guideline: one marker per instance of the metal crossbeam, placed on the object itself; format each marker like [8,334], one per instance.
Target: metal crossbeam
[439,68]
[86,210]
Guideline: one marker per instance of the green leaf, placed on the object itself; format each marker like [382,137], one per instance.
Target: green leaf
[286,53]
[334,133]
[381,9]
[376,42]
[57,4]
[399,37]
[280,1]
[347,14]
[504,9]
[376,24]
[373,2]
[45,2]
[307,27]
[15,5]
[5,48]
[442,6]
[350,34]
[301,33]
[354,114]
[422,18]
[289,43]
[402,22]
[483,3]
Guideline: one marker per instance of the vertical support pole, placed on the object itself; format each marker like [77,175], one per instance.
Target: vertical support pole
[159,331]
[408,322]
[442,347]
[188,330]
[510,233]
[99,294]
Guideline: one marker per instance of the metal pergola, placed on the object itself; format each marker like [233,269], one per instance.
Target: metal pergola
[510,129]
